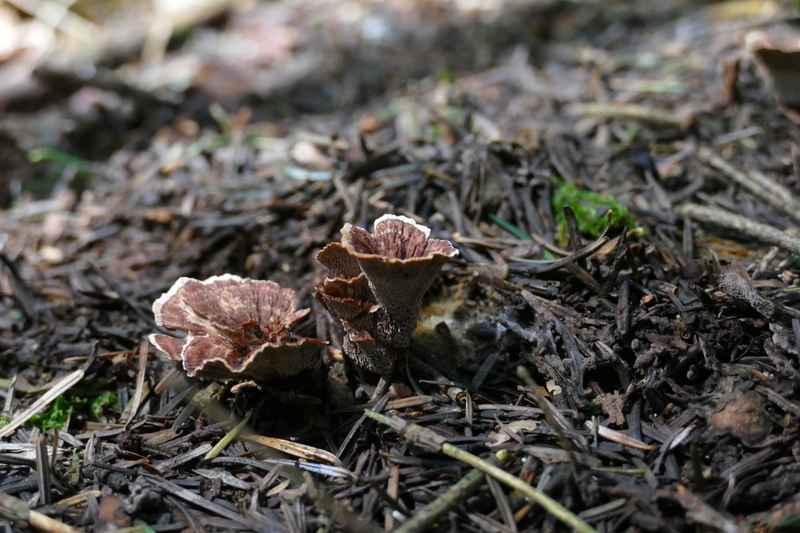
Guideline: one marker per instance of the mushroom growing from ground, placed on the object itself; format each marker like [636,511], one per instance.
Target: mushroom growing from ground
[377,284]
[236,329]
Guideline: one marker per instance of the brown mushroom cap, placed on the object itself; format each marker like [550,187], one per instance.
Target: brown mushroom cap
[346,299]
[212,357]
[395,238]
[221,304]
[400,262]
[171,346]
[339,261]
[237,328]
[377,285]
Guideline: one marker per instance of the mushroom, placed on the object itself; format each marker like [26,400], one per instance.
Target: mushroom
[377,285]
[236,329]
[347,299]
[366,352]
[400,262]
[350,299]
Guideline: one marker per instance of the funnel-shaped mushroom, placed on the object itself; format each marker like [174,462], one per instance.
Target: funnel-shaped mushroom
[400,262]
[379,280]
[346,299]
[237,329]
[349,298]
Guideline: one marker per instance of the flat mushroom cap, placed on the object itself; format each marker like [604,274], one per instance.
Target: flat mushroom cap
[237,328]
[211,357]
[222,304]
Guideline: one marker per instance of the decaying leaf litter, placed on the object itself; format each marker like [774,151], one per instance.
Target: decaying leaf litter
[645,379]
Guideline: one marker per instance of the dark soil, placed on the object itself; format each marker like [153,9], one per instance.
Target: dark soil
[665,357]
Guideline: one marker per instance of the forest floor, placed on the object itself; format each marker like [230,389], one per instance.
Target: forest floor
[641,373]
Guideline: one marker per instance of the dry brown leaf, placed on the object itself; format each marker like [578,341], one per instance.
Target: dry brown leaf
[743,415]
[612,406]
[518,426]
[111,515]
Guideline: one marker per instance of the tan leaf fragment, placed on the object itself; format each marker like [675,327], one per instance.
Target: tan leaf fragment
[612,406]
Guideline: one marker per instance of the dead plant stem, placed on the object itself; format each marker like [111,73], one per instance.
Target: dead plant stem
[769,190]
[550,415]
[18,512]
[432,512]
[430,441]
[745,226]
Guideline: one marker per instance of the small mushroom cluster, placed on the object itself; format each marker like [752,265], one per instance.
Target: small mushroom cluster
[239,328]
[376,286]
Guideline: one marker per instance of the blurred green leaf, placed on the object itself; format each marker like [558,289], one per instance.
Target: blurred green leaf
[511,228]
[57,156]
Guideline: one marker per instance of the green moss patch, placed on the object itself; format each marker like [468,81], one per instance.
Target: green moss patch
[590,209]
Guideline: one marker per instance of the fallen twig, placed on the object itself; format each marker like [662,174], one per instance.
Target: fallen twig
[769,190]
[228,438]
[64,385]
[532,266]
[617,436]
[139,393]
[15,510]
[432,512]
[737,284]
[555,419]
[43,471]
[430,441]
[679,119]
[745,226]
